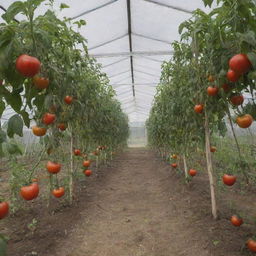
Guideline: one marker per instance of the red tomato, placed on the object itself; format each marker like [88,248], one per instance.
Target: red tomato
[233,76]
[4,209]
[174,165]
[229,180]
[53,167]
[30,192]
[28,66]
[226,87]
[212,91]
[48,118]
[39,131]
[236,221]
[40,82]
[240,63]
[88,173]
[244,121]
[77,152]
[192,172]
[86,163]
[68,99]
[237,99]
[251,244]
[58,192]
[199,108]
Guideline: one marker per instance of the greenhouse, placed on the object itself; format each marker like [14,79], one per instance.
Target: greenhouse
[127,127]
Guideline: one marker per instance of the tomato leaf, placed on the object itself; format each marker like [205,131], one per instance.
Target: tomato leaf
[15,126]
[2,107]
[252,57]
[248,37]
[63,6]
[208,2]
[6,37]
[3,246]
[14,100]
[25,117]
[13,10]
[3,137]
[13,149]
[34,3]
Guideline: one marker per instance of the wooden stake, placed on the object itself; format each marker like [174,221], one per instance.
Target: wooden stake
[71,171]
[210,168]
[185,166]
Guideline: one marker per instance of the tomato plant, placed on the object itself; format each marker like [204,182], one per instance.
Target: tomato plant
[217,57]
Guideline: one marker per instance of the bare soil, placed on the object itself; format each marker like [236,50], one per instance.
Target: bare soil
[137,207]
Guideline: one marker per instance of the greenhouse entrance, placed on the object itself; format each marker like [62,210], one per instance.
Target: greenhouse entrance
[138,135]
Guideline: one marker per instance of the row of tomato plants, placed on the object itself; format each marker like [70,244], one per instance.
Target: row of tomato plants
[204,86]
[56,89]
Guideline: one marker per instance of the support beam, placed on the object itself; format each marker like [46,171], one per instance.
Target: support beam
[120,73]
[151,59]
[146,93]
[122,93]
[108,42]
[151,38]
[123,79]
[154,84]
[127,101]
[143,72]
[170,6]
[115,62]
[126,98]
[147,67]
[129,16]
[131,54]
[94,9]
[1,7]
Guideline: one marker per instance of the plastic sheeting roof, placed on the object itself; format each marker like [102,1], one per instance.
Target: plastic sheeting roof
[123,31]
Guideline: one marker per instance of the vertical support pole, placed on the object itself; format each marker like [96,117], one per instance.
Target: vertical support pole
[210,168]
[71,171]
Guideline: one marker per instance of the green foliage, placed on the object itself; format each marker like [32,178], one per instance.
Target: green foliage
[94,116]
[3,245]
[207,43]
[15,126]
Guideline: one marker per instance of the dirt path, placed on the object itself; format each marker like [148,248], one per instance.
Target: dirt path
[136,207]
[138,212]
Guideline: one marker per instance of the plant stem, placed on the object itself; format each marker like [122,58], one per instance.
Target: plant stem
[37,163]
[237,145]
